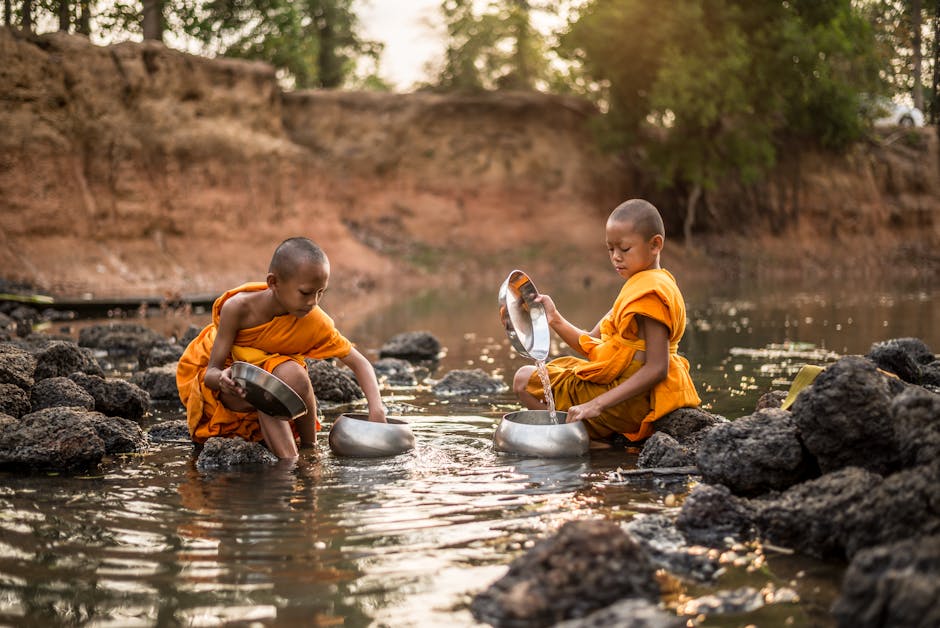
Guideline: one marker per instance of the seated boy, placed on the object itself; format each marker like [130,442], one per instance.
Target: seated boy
[632,373]
[273,325]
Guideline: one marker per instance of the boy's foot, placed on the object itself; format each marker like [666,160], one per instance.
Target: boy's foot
[600,444]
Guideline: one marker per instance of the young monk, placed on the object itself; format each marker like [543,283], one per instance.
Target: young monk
[631,374]
[274,325]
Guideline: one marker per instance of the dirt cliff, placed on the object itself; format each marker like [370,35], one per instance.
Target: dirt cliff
[135,169]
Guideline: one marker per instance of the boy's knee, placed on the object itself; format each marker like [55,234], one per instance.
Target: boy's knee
[522,377]
[294,375]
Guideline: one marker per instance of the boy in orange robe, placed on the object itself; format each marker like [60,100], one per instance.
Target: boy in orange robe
[632,374]
[273,325]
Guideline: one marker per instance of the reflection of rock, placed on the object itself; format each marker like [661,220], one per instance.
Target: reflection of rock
[222,453]
[472,383]
[396,372]
[629,613]
[586,566]
[414,346]
[332,384]
[892,586]
[114,397]
[60,391]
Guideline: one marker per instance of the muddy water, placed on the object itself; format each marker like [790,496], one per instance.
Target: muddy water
[407,541]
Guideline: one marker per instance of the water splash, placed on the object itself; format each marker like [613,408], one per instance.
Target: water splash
[542,370]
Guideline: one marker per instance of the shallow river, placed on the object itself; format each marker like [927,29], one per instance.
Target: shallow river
[407,541]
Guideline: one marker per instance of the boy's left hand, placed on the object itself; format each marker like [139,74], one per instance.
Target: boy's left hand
[378,415]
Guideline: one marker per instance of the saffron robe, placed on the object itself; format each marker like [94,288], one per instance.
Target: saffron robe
[267,345]
[610,360]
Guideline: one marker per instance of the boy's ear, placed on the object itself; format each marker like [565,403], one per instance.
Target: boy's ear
[657,242]
[271,280]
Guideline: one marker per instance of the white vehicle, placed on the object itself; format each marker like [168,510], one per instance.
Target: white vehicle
[891,113]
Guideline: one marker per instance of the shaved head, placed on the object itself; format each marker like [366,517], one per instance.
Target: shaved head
[641,215]
[293,253]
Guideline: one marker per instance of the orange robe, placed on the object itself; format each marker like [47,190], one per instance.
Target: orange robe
[610,360]
[268,345]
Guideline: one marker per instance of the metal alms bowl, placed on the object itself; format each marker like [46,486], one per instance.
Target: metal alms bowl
[354,435]
[268,393]
[523,317]
[536,433]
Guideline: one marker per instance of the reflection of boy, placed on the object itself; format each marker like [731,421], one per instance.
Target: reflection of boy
[273,325]
[632,374]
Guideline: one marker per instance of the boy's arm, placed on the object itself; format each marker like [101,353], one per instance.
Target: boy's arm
[365,375]
[653,371]
[216,378]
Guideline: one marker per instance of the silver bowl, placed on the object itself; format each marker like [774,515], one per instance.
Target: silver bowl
[536,433]
[355,435]
[268,393]
[523,318]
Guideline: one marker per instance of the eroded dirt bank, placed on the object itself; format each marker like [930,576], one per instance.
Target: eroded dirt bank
[138,170]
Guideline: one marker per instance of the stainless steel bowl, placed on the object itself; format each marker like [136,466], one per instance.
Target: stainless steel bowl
[354,435]
[535,433]
[268,393]
[523,318]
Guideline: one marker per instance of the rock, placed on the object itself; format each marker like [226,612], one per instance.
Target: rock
[930,375]
[662,450]
[586,566]
[687,423]
[17,366]
[159,355]
[119,338]
[189,335]
[414,346]
[844,418]
[668,548]
[54,439]
[710,514]
[115,397]
[901,356]
[892,586]
[169,431]
[60,391]
[159,382]
[473,383]
[14,401]
[223,453]
[120,436]
[332,384]
[772,399]
[60,358]
[755,454]
[628,613]
[395,372]
[916,416]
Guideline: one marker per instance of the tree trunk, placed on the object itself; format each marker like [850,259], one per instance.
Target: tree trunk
[918,57]
[27,15]
[691,204]
[84,17]
[153,20]
[7,12]
[935,105]
[64,15]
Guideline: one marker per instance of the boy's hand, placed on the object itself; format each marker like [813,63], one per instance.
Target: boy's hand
[228,386]
[587,410]
[378,415]
[551,312]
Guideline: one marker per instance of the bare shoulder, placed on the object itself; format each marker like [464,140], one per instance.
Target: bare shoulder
[246,309]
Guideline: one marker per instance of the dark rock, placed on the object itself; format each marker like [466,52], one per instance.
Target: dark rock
[59,391]
[916,348]
[17,366]
[916,414]
[120,436]
[587,565]
[668,548]
[898,358]
[159,355]
[814,517]
[844,418]
[772,399]
[332,384]
[892,586]
[119,338]
[14,401]
[189,335]
[414,346]
[662,450]
[755,454]
[395,372]
[25,317]
[59,358]
[223,453]
[628,613]
[473,383]
[54,439]
[115,397]
[169,431]
[930,374]
[159,382]
[686,424]
[711,514]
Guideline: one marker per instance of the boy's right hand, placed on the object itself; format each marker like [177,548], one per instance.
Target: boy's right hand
[228,386]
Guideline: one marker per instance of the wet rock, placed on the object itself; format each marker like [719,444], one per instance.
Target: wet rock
[628,613]
[115,397]
[14,401]
[395,372]
[686,425]
[772,399]
[668,548]
[119,338]
[189,335]
[25,317]
[892,586]
[901,356]
[16,366]
[844,418]
[330,383]
[224,453]
[586,566]
[755,454]
[711,514]
[916,415]
[662,450]
[174,430]
[159,382]
[59,358]
[741,600]
[54,439]
[414,346]
[120,436]
[472,382]
[159,355]
[59,391]
[814,517]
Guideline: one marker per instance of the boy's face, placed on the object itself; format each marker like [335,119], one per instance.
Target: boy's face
[629,252]
[301,291]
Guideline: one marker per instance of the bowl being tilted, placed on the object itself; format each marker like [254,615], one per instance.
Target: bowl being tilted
[354,435]
[268,393]
[523,317]
[536,433]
